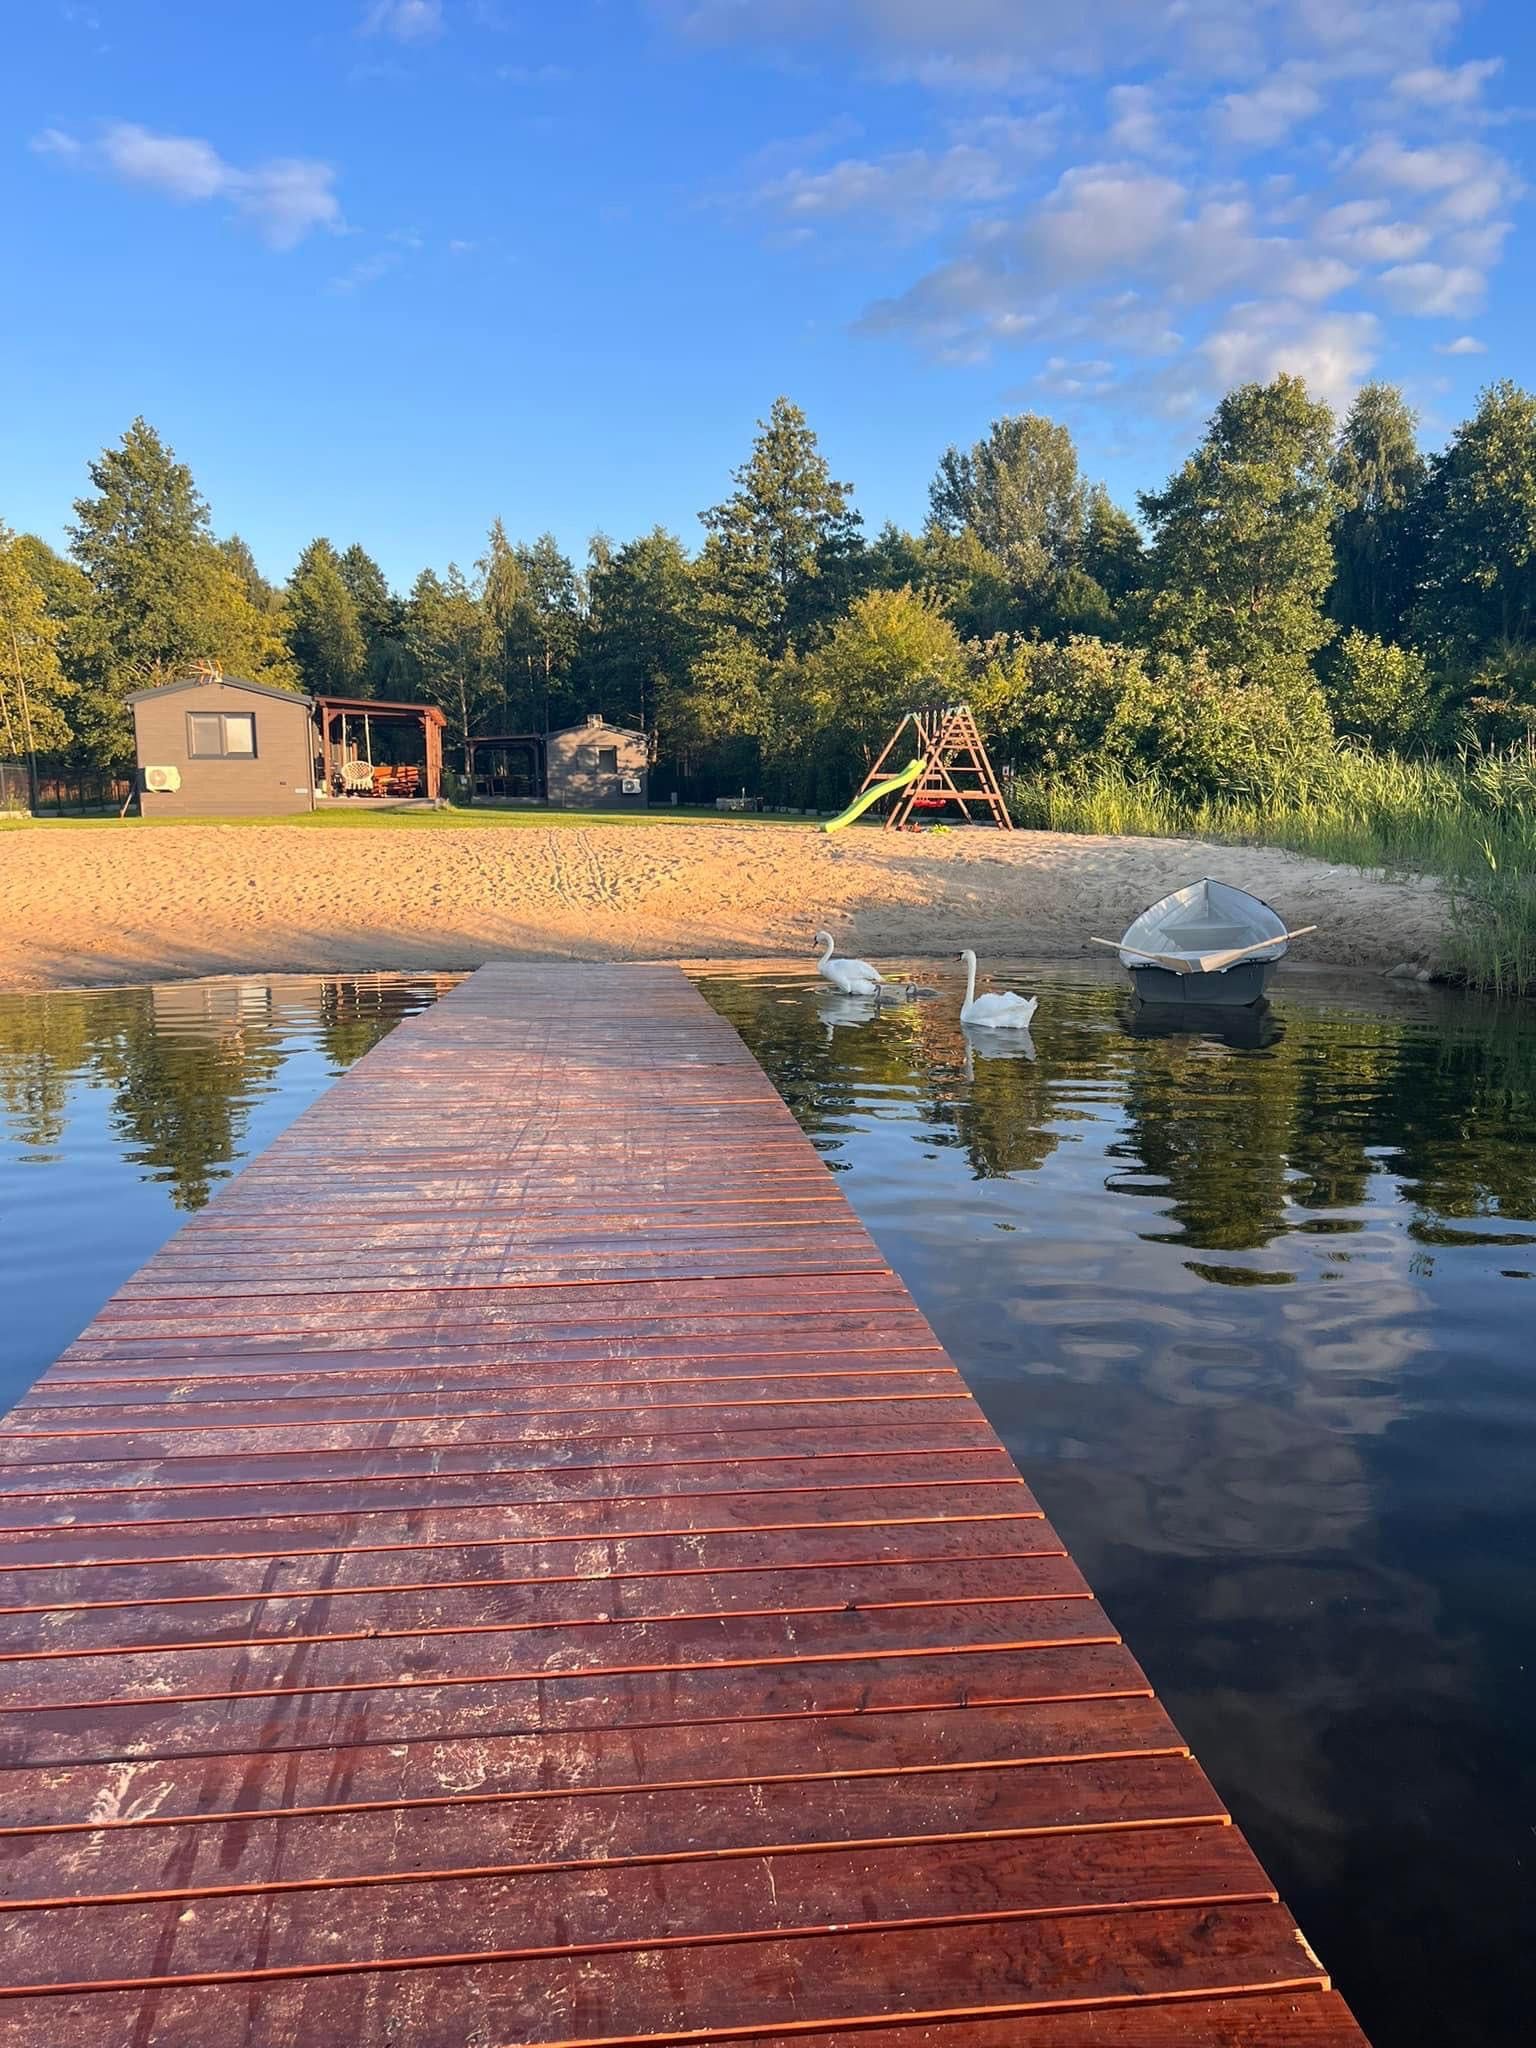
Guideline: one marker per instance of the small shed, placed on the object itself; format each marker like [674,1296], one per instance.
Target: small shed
[221,747]
[597,766]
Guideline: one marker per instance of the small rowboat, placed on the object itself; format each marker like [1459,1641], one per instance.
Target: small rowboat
[1208,944]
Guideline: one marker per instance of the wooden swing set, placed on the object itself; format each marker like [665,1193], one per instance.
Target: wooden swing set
[956,769]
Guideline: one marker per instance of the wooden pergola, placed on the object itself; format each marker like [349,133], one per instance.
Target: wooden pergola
[333,713]
[530,743]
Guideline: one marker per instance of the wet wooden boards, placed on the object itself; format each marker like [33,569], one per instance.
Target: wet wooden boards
[517,1568]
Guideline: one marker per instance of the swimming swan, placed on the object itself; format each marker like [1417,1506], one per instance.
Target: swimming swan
[848,977]
[999,1011]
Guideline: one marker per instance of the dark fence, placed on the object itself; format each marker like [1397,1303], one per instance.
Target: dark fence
[61,791]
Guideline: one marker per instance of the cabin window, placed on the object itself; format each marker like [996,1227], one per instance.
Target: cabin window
[221,735]
[607,760]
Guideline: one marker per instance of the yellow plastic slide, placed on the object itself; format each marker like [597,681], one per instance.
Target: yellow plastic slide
[888,787]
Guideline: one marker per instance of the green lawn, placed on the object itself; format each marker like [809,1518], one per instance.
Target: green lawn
[367,817]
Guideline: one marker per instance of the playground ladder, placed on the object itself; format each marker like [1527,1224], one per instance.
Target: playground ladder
[956,768]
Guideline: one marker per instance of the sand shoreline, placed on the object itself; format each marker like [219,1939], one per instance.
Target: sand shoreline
[88,908]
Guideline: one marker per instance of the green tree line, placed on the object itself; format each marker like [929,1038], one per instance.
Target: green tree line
[1296,581]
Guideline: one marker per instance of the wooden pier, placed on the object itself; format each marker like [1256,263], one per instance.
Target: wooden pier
[518,1568]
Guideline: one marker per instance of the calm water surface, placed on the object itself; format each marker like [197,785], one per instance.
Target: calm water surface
[1254,1312]
[122,1111]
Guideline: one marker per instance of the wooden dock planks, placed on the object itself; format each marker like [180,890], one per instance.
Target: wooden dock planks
[518,1568]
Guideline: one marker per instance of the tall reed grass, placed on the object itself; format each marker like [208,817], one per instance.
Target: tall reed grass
[1471,822]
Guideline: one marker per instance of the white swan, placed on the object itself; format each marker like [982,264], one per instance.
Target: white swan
[848,977]
[1002,1011]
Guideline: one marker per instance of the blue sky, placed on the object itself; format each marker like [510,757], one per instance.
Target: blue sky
[385,269]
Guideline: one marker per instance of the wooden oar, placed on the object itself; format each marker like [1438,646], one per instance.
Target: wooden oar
[1213,963]
[1207,963]
[1177,963]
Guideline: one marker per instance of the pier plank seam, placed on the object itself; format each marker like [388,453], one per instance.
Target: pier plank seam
[518,1568]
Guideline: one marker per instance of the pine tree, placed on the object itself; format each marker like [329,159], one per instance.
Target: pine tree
[445,633]
[782,556]
[323,630]
[380,615]
[643,629]
[552,628]
[163,595]
[510,630]
[265,596]
[1112,551]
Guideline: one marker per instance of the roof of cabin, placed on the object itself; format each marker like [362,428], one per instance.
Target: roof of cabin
[219,682]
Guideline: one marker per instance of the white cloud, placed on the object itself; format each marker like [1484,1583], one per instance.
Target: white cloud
[396,249]
[54,142]
[1113,250]
[1431,289]
[1362,231]
[1457,188]
[284,198]
[1481,246]
[532,74]
[1332,351]
[1101,218]
[1269,113]
[1444,168]
[971,43]
[957,309]
[908,183]
[368,270]
[1311,277]
[1136,124]
[1085,379]
[179,165]
[407,21]
[914,188]
[1431,85]
[1360,37]
[1463,345]
[1206,268]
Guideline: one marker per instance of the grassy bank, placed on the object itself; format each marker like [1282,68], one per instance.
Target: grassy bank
[1472,823]
[364,816]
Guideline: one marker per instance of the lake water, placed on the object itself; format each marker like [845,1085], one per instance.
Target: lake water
[1252,1309]
[122,1110]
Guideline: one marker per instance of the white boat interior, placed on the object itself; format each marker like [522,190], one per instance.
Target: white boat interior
[1198,930]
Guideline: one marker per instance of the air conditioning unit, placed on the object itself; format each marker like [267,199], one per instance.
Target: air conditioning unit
[631,785]
[162,778]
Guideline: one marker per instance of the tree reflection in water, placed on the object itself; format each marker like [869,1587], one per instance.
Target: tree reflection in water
[183,1063]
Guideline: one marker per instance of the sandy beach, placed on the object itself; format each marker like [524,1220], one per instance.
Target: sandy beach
[84,907]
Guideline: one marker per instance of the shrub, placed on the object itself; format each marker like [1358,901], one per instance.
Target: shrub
[1207,735]
[1378,691]
[1049,706]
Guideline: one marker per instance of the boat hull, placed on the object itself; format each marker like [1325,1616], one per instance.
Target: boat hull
[1233,989]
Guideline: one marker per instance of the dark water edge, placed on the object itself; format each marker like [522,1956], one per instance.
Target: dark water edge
[123,1110]
[1253,1307]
